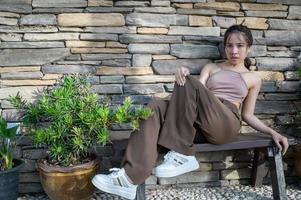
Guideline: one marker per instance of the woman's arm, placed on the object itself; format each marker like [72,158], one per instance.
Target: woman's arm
[182,72]
[205,73]
[249,117]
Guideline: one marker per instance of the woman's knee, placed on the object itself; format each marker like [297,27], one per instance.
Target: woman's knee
[193,81]
[190,78]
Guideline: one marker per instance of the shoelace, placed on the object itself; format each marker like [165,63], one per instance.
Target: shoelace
[172,157]
[169,157]
[115,172]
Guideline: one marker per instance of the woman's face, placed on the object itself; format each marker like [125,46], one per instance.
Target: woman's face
[236,49]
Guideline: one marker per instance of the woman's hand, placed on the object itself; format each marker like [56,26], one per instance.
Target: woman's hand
[180,74]
[281,142]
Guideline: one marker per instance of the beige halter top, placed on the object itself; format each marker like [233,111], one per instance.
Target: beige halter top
[229,85]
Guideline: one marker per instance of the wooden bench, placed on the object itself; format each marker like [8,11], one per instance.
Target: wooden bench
[260,143]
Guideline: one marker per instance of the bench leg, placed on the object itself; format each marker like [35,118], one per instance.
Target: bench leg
[141,192]
[259,168]
[277,174]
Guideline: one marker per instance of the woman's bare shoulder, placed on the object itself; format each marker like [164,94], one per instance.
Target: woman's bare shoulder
[252,78]
[255,77]
[211,67]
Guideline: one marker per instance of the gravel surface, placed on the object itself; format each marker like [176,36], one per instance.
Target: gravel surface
[237,192]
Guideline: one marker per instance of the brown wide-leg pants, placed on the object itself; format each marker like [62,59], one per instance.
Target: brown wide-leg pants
[174,124]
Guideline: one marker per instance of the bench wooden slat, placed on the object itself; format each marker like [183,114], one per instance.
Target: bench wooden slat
[242,142]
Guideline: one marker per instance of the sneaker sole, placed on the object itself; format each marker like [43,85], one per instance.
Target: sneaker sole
[114,190]
[183,170]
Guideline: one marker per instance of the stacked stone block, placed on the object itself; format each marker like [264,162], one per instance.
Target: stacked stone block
[134,47]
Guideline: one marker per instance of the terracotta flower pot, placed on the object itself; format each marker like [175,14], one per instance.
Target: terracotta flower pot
[68,183]
[297,160]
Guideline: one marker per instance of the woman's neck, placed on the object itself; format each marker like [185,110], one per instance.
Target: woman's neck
[236,67]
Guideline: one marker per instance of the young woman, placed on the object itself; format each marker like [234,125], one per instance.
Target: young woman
[204,108]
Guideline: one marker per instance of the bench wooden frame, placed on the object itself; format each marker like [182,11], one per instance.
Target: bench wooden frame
[258,142]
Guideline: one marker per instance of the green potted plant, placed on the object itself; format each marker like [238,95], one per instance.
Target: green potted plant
[9,167]
[69,120]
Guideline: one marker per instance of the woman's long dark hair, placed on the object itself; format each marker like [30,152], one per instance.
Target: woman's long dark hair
[247,36]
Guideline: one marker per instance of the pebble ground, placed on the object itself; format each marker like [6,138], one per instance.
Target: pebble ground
[191,192]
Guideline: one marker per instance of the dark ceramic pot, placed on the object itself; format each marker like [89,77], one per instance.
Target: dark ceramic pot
[9,181]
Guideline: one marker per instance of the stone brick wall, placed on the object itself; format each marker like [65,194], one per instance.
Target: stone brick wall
[133,48]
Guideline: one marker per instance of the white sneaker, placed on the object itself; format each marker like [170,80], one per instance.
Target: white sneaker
[115,183]
[176,164]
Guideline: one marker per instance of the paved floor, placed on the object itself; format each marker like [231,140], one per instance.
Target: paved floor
[191,192]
